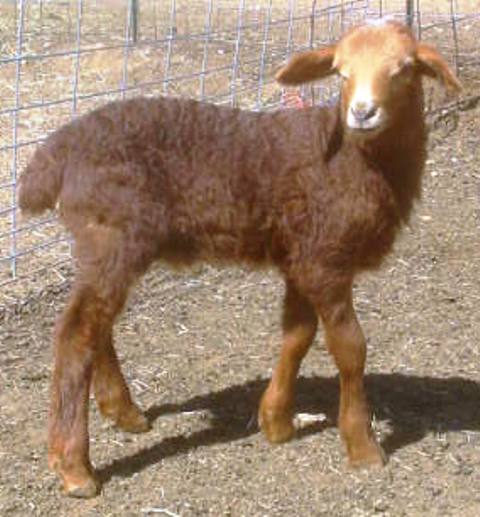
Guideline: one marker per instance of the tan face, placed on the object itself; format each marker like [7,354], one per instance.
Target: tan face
[381,64]
[377,67]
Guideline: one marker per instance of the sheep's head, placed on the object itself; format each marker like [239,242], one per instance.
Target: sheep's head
[381,65]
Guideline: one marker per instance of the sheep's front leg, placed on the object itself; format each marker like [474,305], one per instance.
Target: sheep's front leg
[299,328]
[346,343]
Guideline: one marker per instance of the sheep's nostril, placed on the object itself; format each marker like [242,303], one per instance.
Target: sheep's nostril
[363,112]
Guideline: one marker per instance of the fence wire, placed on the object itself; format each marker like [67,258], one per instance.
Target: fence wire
[61,59]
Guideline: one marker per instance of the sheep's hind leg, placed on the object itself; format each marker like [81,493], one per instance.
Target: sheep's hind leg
[111,391]
[75,342]
[346,343]
[299,328]
[83,348]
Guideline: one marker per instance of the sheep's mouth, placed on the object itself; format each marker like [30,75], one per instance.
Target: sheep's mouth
[364,132]
[366,124]
[364,129]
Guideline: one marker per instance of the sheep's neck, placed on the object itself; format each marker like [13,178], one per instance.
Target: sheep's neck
[399,155]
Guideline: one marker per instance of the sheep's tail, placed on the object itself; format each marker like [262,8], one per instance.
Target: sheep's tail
[41,181]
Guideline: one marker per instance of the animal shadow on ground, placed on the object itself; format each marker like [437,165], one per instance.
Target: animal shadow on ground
[413,406]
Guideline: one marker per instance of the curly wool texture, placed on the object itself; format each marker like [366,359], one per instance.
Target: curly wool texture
[181,181]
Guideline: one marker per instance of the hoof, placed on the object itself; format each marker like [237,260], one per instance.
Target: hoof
[133,421]
[87,489]
[78,481]
[277,428]
[370,455]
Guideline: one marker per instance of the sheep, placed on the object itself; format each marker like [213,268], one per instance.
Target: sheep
[318,193]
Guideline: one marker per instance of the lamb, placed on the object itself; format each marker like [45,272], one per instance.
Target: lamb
[318,193]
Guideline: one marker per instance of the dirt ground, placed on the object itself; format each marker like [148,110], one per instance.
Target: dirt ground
[198,350]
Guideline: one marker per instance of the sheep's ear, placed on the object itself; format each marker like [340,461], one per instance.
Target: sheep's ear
[431,63]
[307,66]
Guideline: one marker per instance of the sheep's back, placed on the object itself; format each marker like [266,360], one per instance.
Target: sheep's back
[190,174]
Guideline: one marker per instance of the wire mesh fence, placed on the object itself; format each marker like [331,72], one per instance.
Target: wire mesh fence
[59,59]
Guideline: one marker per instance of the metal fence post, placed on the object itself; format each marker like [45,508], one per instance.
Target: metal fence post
[134,18]
[409,13]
